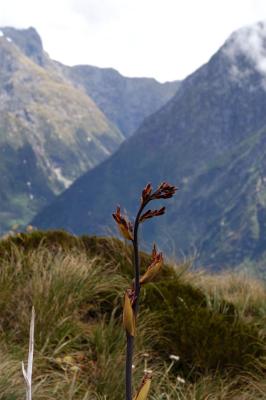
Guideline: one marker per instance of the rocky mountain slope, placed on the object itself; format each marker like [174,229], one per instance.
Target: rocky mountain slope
[51,130]
[125,101]
[41,107]
[210,141]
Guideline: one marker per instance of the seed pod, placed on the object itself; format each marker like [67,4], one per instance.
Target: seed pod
[129,319]
[144,388]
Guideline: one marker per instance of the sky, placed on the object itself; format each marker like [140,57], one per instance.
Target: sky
[163,39]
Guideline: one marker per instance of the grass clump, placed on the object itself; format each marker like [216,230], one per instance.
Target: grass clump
[77,287]
[205,340]
[66,290]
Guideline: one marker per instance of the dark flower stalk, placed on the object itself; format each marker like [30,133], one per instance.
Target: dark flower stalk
[130,311]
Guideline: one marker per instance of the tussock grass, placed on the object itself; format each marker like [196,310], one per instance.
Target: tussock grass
[247,293]
[64,288]
[77,285]
[11,381]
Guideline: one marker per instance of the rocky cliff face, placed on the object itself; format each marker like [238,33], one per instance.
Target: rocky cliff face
[125,101]
[28,41]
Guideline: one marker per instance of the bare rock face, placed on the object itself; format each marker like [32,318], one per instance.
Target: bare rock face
[28,41]
[125,101]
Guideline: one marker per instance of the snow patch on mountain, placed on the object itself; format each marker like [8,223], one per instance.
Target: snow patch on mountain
[61,178]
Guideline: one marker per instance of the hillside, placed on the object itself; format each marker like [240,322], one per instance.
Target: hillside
[213,325]
[210,141]
[51,129]
[125,101]
[40,107]
[50,132]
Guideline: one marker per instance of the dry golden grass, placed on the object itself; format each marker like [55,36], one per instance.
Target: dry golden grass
[248,294]
[80,345]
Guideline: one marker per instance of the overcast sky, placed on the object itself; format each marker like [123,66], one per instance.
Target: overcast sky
[165,39]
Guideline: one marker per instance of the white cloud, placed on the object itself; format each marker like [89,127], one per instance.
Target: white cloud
[99,12]
[251,42]
[167,39]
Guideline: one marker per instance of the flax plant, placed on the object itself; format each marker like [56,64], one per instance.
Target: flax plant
[131,300]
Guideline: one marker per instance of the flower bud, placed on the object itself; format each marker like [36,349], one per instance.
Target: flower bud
[154,268]
[164,191]
[152,213]
[145,197]
[124,226]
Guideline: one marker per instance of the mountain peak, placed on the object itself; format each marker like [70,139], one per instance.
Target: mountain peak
[28,40]
[246,48]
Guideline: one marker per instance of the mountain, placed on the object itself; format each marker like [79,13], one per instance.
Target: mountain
[51,129]
[210,140]
[125,101]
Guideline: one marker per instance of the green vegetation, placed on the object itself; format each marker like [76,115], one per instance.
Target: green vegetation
[215,324]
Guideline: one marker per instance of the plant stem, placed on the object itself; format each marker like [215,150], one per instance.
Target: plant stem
[130,339]
[136,260]
[129,361]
